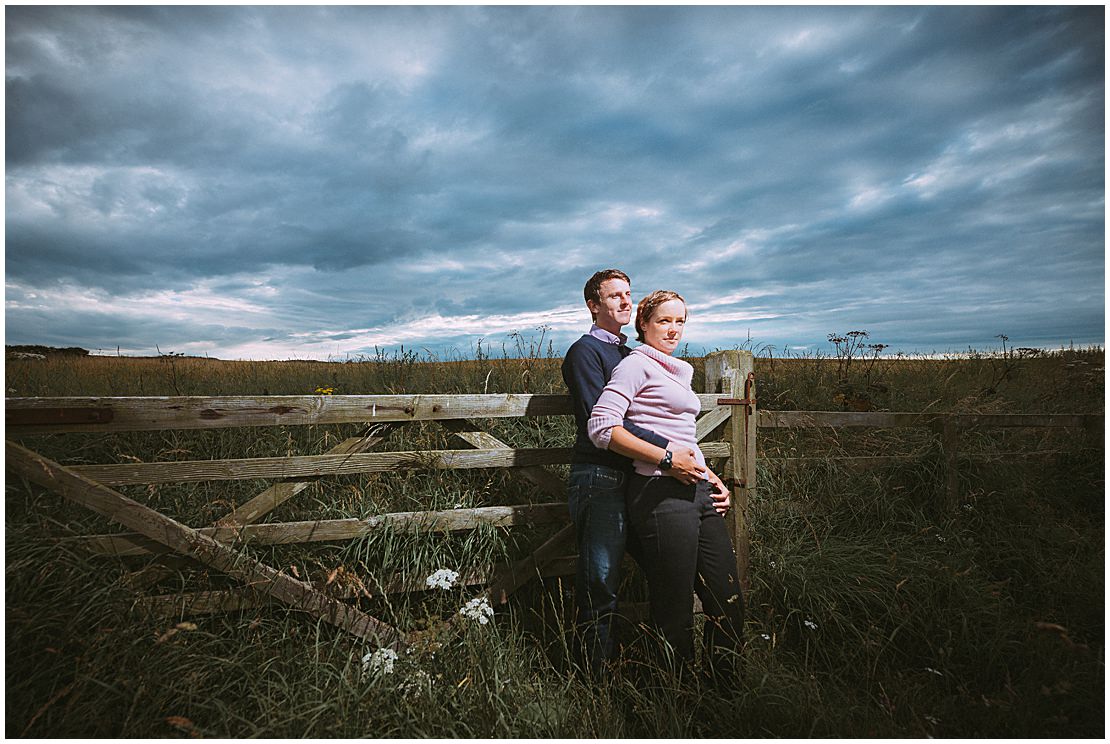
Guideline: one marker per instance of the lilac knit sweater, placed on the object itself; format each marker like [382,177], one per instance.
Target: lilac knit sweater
[651,389]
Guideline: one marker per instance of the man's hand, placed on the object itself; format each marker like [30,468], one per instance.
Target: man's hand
[722,497]
[685,467]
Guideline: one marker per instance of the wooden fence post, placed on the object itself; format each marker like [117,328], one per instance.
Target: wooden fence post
[731,374]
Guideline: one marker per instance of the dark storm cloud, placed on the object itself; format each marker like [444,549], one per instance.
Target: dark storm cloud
[296,181]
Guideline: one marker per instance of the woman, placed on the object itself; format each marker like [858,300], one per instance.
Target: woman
[683,537]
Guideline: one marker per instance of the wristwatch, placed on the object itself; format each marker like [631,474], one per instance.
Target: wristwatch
[665,463]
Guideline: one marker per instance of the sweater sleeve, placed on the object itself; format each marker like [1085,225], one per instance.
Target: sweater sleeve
[584,375]
[613,403]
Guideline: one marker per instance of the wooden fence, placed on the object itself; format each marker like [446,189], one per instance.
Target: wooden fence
[729,407]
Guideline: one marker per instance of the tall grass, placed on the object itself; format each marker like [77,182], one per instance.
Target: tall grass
[871,613]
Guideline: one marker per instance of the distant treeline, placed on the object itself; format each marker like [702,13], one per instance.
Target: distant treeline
[46,350]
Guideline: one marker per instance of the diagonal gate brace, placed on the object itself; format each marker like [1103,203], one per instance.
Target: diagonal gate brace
[187,541]
[268,500]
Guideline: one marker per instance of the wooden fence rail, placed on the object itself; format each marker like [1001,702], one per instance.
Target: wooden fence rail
[334,530]
[878,419]
[75,414]
[729,406]
[318,466]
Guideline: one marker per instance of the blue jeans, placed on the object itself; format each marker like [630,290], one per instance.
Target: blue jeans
[596,500]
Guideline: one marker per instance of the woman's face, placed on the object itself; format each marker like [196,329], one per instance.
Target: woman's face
[663,330]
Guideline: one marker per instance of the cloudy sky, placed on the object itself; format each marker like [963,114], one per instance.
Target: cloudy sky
[280,182]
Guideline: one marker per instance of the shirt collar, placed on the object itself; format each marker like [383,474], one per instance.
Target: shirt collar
[607,337]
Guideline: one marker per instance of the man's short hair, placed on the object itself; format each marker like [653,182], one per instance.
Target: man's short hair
[592,290]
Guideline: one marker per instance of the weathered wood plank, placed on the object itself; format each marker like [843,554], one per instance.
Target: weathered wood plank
[55,416]
[542,478]
[708,423]
[209,412]
[790,419]
[715,449]
[865,461]
[1016,456]
[205,412]
[277,494]
[1030,420]
[193,412]
[231,600]
[877,419]
[265,502]
[333,530]
[318,466]
[862,461]
[183,539]
[315,466]
[731,374]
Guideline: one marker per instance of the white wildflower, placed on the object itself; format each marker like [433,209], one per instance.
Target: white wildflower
[934,671]
[765,636]
[444,578]
[941,538]
[810,624]
[477,609]
[416,683]
[968,507]
[772,564]
[379,662]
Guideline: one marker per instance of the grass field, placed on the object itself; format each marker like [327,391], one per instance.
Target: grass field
[872,612]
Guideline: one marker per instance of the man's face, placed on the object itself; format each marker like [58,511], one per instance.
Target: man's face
[615,308]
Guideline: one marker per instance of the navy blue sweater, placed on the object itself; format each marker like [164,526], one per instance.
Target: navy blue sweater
[587,367]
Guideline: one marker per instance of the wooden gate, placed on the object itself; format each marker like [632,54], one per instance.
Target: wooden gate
[728,406]
[218,545]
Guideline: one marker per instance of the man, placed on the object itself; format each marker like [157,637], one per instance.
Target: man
[598,478]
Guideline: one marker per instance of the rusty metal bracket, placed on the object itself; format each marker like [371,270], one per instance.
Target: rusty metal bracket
[748,401]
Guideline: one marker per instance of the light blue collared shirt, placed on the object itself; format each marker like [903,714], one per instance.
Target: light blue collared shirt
[607,337]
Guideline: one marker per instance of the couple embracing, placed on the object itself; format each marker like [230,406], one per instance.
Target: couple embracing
[639,481]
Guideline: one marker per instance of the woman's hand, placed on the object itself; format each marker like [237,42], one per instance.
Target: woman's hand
[685,466]
[722,496]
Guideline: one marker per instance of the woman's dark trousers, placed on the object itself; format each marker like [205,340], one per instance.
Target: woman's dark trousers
[686,549]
